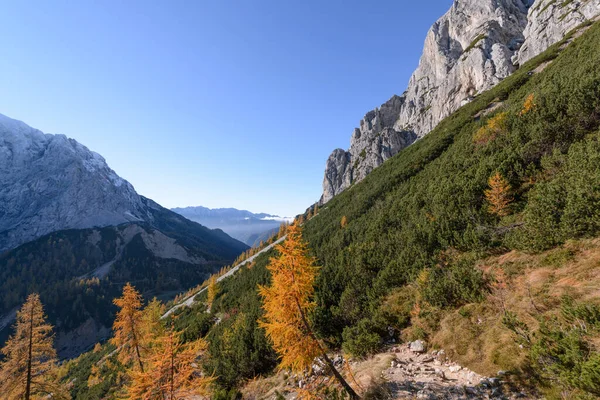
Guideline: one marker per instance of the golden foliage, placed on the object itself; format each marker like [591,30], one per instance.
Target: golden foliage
[495,127]
[29,365]
[127,326]
[528,105]
[282,230]
[212,291]
[288,301]
[172,371]
[344,222]
[498,195]
[151,327]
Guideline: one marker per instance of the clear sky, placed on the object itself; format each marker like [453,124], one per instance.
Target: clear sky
[216,103]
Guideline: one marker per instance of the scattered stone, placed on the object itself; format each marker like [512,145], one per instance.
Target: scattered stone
[418,346]
[455,368]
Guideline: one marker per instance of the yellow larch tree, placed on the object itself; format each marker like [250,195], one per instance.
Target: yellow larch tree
[151,328]
[344,222]
[528,105]
[495,126]
[282,230]
[498,195]
[29,365]
[212,291]
[172,371]
[288,302]
[128,326]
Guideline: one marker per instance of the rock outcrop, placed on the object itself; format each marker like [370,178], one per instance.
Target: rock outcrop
[550,20]
[474,46]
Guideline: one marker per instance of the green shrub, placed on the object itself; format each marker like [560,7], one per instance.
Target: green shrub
[362,339]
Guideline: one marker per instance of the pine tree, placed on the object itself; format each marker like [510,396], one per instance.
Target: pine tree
[127,326]
[211,291]
[172,371]
[498,195]
[287,304]
[27,370]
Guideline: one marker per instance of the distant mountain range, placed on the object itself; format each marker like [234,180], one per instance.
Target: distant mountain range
[74,231]
[242,225]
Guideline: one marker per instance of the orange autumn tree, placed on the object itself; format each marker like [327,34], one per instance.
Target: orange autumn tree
[287,304]
[528,105]
[128,326]
[498,195]
[27,370]
[172,371]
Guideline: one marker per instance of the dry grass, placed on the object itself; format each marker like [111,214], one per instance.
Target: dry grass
[475,337]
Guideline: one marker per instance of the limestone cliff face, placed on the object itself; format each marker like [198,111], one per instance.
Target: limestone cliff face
[51,182]
[474,46]
[550,20]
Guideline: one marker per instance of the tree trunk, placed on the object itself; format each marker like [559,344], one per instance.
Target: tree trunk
[338,376]
[135,343]
[172,368]
[29,357]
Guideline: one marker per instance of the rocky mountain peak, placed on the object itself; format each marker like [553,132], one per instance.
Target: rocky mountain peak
[50,182]
[471,48]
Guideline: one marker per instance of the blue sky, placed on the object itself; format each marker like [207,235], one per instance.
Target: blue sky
[220,103]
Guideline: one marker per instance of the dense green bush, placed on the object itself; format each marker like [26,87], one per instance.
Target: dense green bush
[562,354]
[362,339]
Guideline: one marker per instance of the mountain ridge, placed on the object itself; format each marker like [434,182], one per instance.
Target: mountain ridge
[243,225]
[470,49]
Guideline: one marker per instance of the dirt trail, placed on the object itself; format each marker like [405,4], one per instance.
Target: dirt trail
[418,374]
[190,300]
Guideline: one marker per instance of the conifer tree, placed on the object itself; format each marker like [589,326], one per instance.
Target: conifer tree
[27,370]
[344,222]
[498,195]
[127,326]
[287,303]
[172,372]
[211,291]
[151,327]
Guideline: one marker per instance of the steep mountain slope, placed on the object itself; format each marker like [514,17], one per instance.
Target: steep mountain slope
[99,234]
[243,225]
[475,45]
[78,272]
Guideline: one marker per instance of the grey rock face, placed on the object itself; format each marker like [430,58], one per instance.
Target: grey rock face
[474,46]
[338,174]
[550,20]
[50,183]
